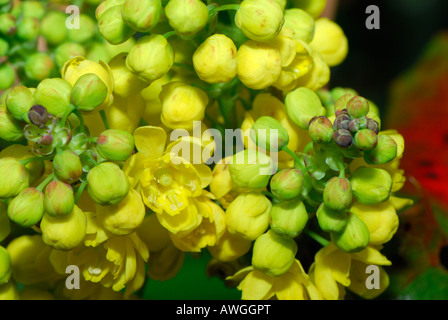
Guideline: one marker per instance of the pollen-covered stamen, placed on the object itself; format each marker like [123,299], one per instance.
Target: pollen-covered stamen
[164,177]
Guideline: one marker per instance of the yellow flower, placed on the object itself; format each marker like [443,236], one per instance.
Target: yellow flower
[153,105]
[295,284]
[301,23]
[125,82]
[221,185]
[230,247]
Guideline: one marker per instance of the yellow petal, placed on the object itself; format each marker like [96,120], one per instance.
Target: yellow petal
[371,255]
[256,286]
[150,141]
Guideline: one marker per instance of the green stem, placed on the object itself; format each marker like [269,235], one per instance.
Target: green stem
[169,34]
[308,147]
[81,119]
[26,161]
[268,194]
[234,6]
[44,183]
[183,65]
[104,118]
[321,240]
[80,191]
[297,159]
[341,170]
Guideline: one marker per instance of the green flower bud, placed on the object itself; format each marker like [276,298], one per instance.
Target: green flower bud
[301,24]
[53,27]
[66,51]
[10,128]
[259,20]
[343,138]
[86,31]
[34,9]
[151,57]
[107,184]
[247,216]
[38,115]
[126,83]
[313,7]
[302,105]
[59,199]
[384,152]
[89,92]
[354,237]
[273,254]
[19,101]
[67,166]
[8,24]
[288,218]
[28,28]
[4,47]
[341,102]
[251,169]
[7,76]
[338,194]
[371,185]
[15,177]
[287,184]
[112,26]
[54,95]
[321,130]
[27,208]
[115,145]
[365,139]
[5,266]
[358,107]
[186,17]
[269,134]
[5,224]
[331,220]
[39,66]
[64,232]
[142,15]
[373,125]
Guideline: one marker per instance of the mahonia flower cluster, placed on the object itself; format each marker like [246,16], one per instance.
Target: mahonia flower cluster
[98,168]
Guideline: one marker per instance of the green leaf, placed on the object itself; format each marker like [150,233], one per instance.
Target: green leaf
[432,284]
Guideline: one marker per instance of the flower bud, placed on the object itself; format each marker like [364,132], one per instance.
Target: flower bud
[10,128]
[126,83]
[59,199]
[107,184]
[251,169]
[85,31]
[343,138]
[259,64]
[287,184]
[358,107]
[354,237]
[5,266]
[5,223]
[66,51]
[182,104]
[111,24]
[342,121]
[371,185]
[301,24]
[38,115]
[67,166]
[27,208]
[321,130]
[186,17]
[89,93]
[365,139]
[230,247]
[151,57]
[259,20]
[314,7]
[247,215]
[141,15]
[288,218]
[34,9]
[54,95]
[39,66]
[15,177]
[354,125]
[53,27]
[269,134]
[4,47]
[330,220]
[384,152]
[302,105]
[8,24]
[215,59]
[19,101]
[28,28]
[338,194]
[115,145]
[273,254]
[373,125]
[7,76]
[64,232]
[342,99]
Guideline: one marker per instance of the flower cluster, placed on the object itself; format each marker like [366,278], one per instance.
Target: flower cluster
[113,162]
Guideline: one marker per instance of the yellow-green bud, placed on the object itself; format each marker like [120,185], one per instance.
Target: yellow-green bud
[313,7]
[300,23]
[54,95]
[53,27]
[5,266]
[66,51]
[273,254]
[384,152]
[112,26]
[33,9]
[59,199]
[5,223]
[151,57]
[331,220]
[371,185]
[15,177]
[365,139]
[28,28]
[7,76]
[321,130]
[27,208]
[302,105]
[141,15]
[10,128]
[4,47]
[338,194]
[85,32]
[19,101]
[8,24]
[64,232]
[186,17]
[115,145]
[354,237]
[88,93]
[39,66]
[358,107]
[288,218]
[126,83]
[251,169]
[259,20]
[67,166]
[287,184]
[247,215]
[107,184]
[269,134]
